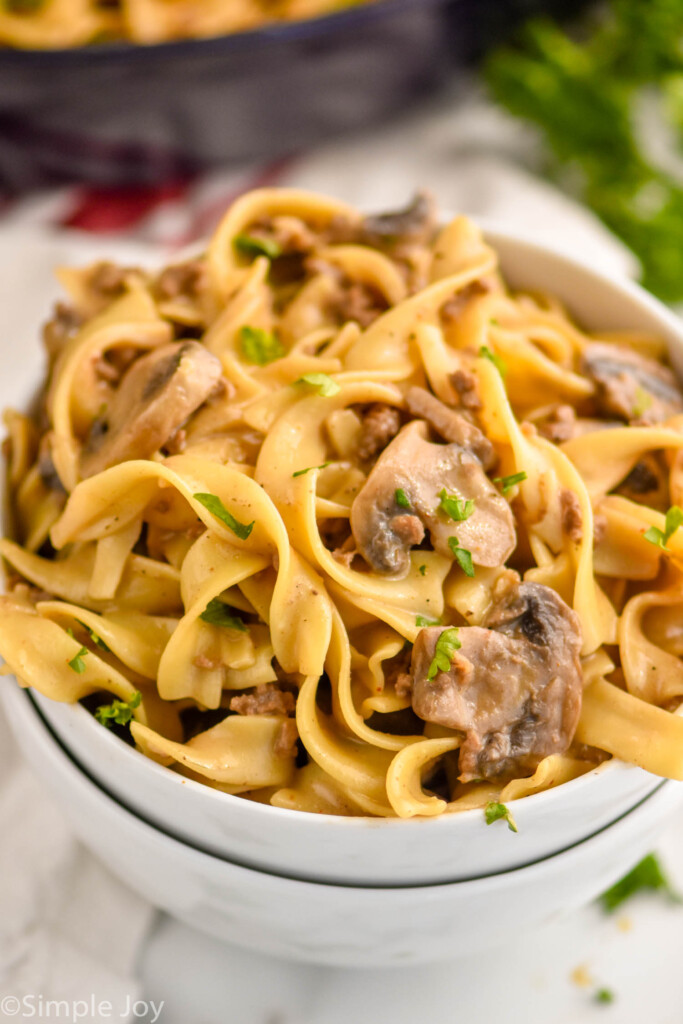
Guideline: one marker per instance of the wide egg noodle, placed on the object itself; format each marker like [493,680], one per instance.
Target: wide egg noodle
[131,567]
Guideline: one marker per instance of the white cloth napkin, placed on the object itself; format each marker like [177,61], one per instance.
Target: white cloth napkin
[68,929]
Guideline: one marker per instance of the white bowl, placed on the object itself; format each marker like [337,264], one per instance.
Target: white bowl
[329,924]
[389,852]
[347,851]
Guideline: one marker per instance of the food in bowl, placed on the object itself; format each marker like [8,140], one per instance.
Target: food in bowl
[343,525]
[57,24]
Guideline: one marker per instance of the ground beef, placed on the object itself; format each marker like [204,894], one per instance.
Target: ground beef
[454,307]
[465,383]
[356,301]
[572,519]
[57,331]
[265,699]
[381,423]
[560,425]
[286,742]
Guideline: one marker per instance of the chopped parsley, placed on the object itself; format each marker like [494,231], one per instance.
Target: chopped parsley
[401,498]
[77,663]
[446,646]
[119,712]
[604,996]
[674,519]
[217,613]
[508,482]
[643,401]
[486,353]
[648,874]
[302,472]
[214,504]
[496,812]
[422,621]
[259,346]
[325,385]
[458,509]
[251,245]
[423,570]
[97,640]
[462,556]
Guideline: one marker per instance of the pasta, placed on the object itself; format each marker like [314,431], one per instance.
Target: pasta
[57,24]
[329,518]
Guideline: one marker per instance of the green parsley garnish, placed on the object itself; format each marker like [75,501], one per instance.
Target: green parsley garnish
[604,995]
[325,385]
[647,874]
[250,245]
[218,614]
[642,403]
[422,621]
[401,498]
[446,646]
[423,570]
[259,346]
[97,640]
[495,812]
[458,509]
[302,472]
[77,663]
[583,88]
[511,481]
[674,519]
[486,353]
[462,556]
[119,712]
[214,504]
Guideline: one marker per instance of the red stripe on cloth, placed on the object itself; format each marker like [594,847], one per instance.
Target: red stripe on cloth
[102,210]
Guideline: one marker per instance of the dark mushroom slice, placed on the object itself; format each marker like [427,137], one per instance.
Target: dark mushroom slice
[385,530]
[155,397]
[632,386]
[514,687]
[414,224]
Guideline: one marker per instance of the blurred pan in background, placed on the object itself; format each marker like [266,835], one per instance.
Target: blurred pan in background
[116,114]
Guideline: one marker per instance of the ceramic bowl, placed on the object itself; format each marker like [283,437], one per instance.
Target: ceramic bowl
[331,924]
[370,851]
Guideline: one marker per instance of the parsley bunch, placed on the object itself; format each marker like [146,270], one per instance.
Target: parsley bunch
[590,99]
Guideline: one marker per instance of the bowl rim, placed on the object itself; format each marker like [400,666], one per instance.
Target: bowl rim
[495,232]
[311,28]
[668,793]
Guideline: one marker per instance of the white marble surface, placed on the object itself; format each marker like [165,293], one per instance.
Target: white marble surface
[635,952]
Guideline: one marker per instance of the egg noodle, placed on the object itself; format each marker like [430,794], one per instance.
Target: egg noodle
[58,24]
[220,532]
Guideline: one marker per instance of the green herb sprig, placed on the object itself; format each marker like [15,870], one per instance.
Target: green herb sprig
[446,646]
[673,519]
[459,509]
[214,504]
[497,812]
[217,613]
[119,712]
[462,556]
[259,346]
[646,875]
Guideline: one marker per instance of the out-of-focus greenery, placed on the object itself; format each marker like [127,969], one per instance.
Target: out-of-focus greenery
[585,93]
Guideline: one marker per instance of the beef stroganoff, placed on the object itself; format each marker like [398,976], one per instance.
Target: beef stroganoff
[60,24]
[329,518]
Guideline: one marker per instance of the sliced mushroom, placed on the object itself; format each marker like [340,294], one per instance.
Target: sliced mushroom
[514,688]
[631,386]
[415,223]
[450,425]
[155,397]
[385,530]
